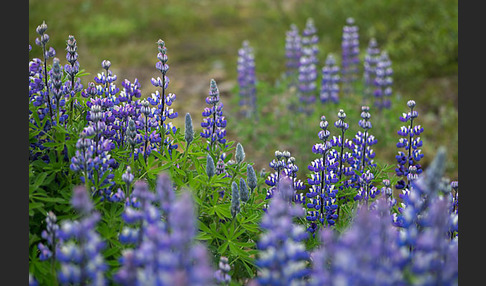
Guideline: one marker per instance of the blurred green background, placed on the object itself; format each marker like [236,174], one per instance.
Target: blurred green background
[202,38]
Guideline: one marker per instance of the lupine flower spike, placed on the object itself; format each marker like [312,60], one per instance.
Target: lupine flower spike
[330,81]
[213,121]
[383,82]
[163,102]
[47,53]
[408,167]
[283,258]
[350,54]
[321,198]
[307,67]
[247,80]
[370,63]
[80,254]
[221,275]
[293,52]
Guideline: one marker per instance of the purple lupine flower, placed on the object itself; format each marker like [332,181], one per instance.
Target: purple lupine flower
[93,157]
[51,235]
[363,141]
[427,225]
[285,166]
[163,101]
[293,52]
[47,53]
[365,254]
[221,275]
[371,60]
[408,161]
[310,41]
[350,54]
[186,260]
[72,69]
[282,258]
[383,82]
[308,66]
[165,194]
[80,253]
[214,122]
[247,80]
[330,81]
[321,204]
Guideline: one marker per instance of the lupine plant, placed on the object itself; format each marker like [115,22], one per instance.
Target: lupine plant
[330,81]
[350,54]
[293,52]
[370,62]
[247,80]
[307,87]
[118,195]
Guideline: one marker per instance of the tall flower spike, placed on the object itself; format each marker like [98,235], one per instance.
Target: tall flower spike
[42,42]
[330,81]
[350,54]
[383,82]
[282,257]
[80,255]
[293,52]
[371,60]
[308,66]
[213,121]
[246,80]
[321,198]
[163,102]
[410,141]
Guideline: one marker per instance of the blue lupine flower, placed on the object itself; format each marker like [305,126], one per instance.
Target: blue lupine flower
[293,52]
[330,81]
[363,141]
[350,54]
[321,198]
[247,80]
[80,253]
[365,254]
[163,102]
[308,66]
[213,123]
[221,275]
[51,235]
[282,258]
[383,82]
[410,141]
[284,166]
[371,60]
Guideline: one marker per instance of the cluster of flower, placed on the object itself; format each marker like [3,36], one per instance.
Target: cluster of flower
[301,67]
[372,250]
